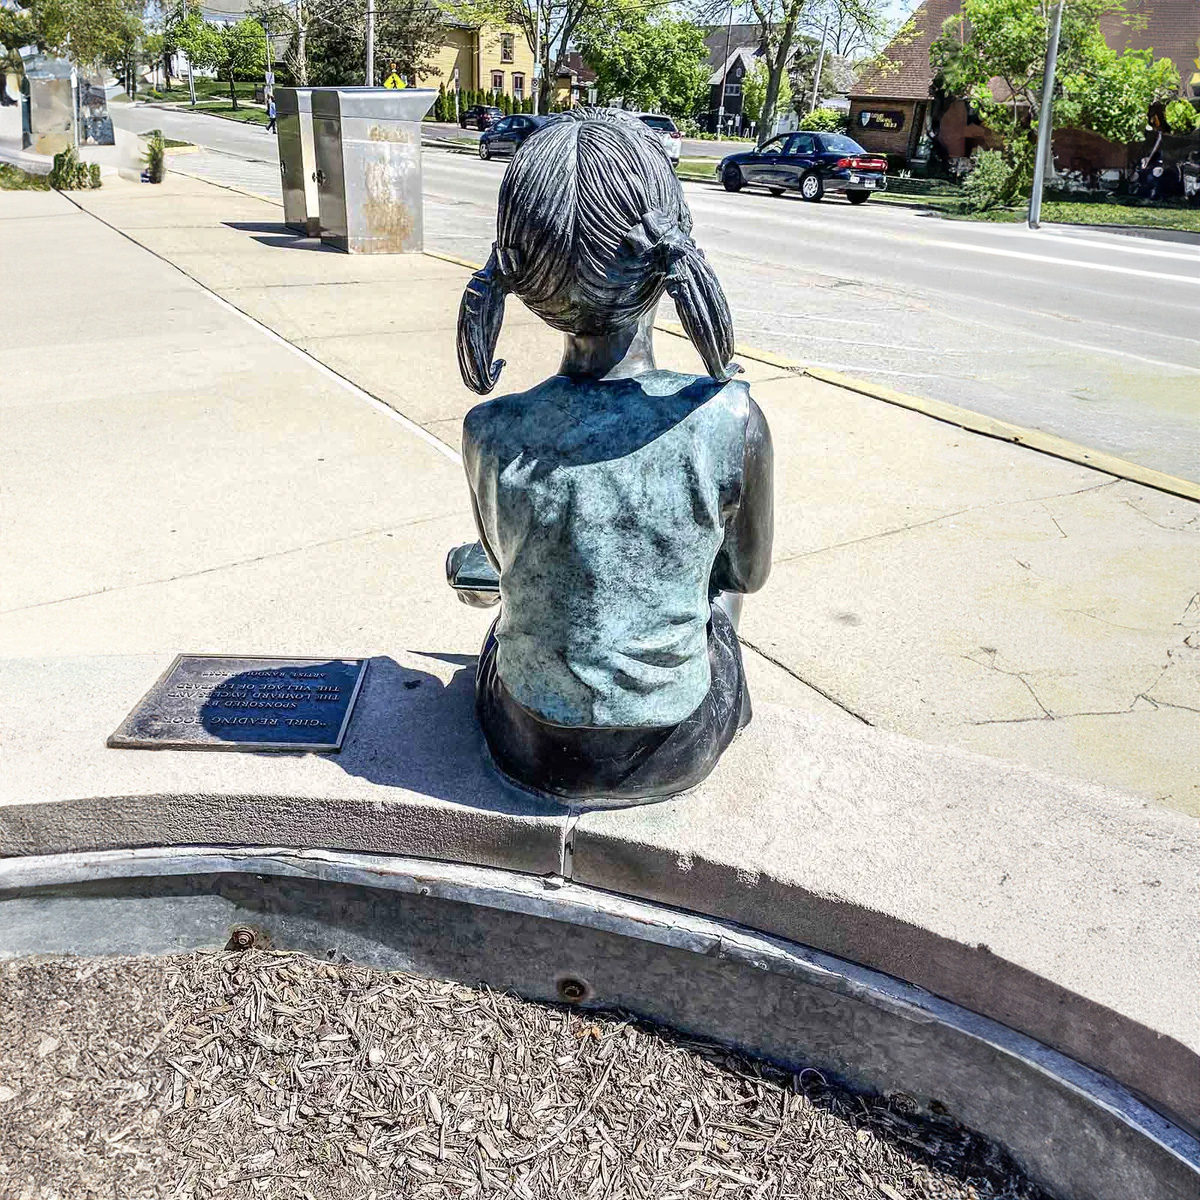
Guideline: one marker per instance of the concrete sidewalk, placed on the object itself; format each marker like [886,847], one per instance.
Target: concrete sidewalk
[192,480]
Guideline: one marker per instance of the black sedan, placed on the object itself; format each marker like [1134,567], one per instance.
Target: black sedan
[809,163]
[505,136]
[480,116]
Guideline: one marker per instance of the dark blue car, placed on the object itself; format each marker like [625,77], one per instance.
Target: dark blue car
[809,163]
[506,135]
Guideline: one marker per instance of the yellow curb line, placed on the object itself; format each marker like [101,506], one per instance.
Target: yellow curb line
[951,414]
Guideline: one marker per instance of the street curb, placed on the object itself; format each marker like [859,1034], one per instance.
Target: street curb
[1150,232]
[1031,439]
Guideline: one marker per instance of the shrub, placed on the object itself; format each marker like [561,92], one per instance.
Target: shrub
[68,174]
[156,157]
[825,120]
[93,175]
[1181,117]
[988,183]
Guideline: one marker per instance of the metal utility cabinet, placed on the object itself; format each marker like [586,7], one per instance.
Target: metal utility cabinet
[297,159]
[368,152]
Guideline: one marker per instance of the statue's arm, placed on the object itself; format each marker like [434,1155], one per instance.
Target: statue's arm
[744,560]
[473,598]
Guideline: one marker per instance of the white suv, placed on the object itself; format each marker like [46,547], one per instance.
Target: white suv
[670,137]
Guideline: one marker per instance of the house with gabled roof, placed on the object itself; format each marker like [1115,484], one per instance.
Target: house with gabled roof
[894,109]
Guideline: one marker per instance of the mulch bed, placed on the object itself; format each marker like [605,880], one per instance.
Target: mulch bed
[262,1074]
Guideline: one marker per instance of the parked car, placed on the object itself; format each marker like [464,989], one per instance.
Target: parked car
[479,116]
[809,163]
[506,135]
[667,132]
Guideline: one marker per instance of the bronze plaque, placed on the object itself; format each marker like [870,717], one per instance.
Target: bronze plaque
[216,702]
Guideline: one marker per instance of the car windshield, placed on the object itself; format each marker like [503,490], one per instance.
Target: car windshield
[843,145]
[663,124]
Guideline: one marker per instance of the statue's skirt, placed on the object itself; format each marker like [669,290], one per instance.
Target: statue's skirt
[616,764]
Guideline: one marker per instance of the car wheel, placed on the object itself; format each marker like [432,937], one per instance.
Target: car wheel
[484,151]
[732,179]
[858,197]
[811,187]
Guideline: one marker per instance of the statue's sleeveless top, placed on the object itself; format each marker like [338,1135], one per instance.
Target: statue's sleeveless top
[605,503]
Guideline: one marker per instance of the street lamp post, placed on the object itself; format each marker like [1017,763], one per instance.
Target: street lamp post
[820,65]
[1045,120]
[370,80]
[725,72]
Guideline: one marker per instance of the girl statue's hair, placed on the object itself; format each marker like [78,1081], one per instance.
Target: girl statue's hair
[592,229]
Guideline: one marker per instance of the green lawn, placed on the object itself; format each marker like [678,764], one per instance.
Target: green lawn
[13,179]
[206,89]
[248,116]
[1073,212]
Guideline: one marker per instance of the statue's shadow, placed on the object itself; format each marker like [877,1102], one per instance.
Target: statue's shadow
[412,730]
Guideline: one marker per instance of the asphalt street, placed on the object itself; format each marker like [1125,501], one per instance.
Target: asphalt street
[1091,336]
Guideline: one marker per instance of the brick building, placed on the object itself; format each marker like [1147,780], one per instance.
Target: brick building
[893,110]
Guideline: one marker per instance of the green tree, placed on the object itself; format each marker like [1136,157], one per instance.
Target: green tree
[89,32]
[16,30]
[653,64]
[328,44]
[783,22]
[803,70]
[754,95]
[230,50]
[1095,88]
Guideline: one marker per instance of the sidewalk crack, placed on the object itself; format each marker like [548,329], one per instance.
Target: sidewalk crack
[242,562]
[800,679]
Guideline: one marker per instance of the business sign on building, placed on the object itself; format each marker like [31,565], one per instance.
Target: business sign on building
[885,120]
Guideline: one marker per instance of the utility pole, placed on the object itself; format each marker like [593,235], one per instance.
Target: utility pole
[820,64]
[1045,120]
[537,57]
[370,43]
[725,72]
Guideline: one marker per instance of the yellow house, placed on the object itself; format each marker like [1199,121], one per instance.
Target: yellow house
[497,60]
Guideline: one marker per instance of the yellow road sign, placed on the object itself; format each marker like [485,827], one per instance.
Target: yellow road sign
[394,81]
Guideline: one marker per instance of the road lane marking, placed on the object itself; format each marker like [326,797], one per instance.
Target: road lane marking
[917,241]
[1053,260]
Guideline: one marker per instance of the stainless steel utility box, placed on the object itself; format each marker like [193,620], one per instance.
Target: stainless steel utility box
[48,105]
[368,150]
[297,159]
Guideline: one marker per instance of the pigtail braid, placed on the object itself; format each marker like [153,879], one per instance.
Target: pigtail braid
[480,315]
[703,309]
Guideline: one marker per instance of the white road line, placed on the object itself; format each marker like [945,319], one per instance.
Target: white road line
[1052,260]
[1068,239]
[917,241]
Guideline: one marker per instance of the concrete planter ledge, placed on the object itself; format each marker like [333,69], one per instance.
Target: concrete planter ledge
[1059,911]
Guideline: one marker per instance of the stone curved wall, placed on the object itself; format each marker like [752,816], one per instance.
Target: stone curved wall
[1062,912]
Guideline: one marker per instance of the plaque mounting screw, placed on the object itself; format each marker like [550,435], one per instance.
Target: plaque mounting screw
[241,939]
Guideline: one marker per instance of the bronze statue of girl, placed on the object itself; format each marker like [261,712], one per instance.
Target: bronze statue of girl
[625,508]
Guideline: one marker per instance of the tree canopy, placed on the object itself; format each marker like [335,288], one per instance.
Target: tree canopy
[1096,88]
[657,64]
[229,50]
[329,37]
[89,32]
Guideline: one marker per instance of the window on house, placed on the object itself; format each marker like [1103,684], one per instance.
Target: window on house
[518,86]
[506,47]
[497,81]
[732,89]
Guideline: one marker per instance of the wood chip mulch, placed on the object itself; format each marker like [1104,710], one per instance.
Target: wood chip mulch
[263,1074]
